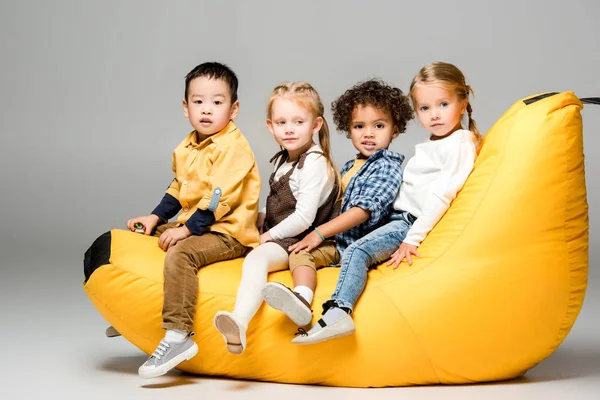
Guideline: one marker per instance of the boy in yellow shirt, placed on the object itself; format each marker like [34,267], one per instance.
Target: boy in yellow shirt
[216,188]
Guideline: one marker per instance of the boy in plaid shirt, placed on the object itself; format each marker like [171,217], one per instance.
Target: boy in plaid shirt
[373,114]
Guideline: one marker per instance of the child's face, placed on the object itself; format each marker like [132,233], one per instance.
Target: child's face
[208,105]
[438,109]
[371,129]
[293,126]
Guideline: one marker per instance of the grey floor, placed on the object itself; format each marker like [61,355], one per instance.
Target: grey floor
[54,347]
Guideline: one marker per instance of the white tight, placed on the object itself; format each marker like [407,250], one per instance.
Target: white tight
[268,257]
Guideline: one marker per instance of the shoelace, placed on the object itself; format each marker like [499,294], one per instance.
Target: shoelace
[301,332]
[160,350]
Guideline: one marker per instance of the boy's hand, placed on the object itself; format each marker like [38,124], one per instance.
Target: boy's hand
[149,222]
[260,222]
[310,241]
[404,251]
[265,237]
[171,236]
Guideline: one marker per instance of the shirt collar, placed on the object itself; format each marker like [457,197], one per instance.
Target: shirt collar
[382,153]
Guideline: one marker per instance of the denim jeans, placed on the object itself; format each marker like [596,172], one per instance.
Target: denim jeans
[368,251]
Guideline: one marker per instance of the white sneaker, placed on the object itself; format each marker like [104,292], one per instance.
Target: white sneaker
[167,356]
[233,331]
[341,327]
[289,302]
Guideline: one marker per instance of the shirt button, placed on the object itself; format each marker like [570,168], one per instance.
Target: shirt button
[195,151]
[185,182]
[185,209]
[217,191]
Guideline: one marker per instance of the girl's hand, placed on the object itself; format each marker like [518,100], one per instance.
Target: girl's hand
[404,251]
[265,237]
[171,236]
[310,241]
[149,222]
[260,223]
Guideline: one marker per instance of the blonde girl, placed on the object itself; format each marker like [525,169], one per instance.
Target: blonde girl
[304,191]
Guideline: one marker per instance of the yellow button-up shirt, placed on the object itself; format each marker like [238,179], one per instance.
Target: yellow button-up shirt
[219,174]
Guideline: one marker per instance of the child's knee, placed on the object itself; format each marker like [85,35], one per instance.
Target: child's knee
[302,259]
[176,259]
[356,254]
[249,267]
[255,265]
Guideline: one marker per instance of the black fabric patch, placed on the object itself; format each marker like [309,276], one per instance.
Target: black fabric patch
[329,304]
[590,100]
[532,100]
[97,255]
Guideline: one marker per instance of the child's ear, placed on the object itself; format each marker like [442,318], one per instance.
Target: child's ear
[463,106]
[186,112]
[270,126]
[235,109]
[317,125]
[396,132]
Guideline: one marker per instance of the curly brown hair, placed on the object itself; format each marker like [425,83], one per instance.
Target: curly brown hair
[378,94]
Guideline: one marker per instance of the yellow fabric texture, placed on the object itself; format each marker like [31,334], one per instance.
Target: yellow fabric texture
[222,165]
[499,284]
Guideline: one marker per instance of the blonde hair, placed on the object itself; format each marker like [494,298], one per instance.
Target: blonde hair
[306,96]
[453,80]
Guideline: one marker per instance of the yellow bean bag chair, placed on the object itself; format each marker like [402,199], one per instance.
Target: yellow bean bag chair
[499,284]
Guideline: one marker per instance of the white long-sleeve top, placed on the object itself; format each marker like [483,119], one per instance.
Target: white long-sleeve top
[311,187]
[432,178]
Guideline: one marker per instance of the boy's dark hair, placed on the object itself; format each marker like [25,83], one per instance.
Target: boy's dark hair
[214,70]
[375,93]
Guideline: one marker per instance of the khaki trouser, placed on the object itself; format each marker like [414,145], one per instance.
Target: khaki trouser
[182,263]
[323,256]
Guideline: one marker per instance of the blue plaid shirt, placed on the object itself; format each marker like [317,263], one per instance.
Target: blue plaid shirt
[373,188]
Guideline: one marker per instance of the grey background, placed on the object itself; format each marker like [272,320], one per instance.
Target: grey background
[90,103]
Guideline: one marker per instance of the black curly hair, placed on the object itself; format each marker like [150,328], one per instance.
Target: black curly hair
[378,94]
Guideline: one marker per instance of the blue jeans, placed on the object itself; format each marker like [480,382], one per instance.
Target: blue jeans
[369,251]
